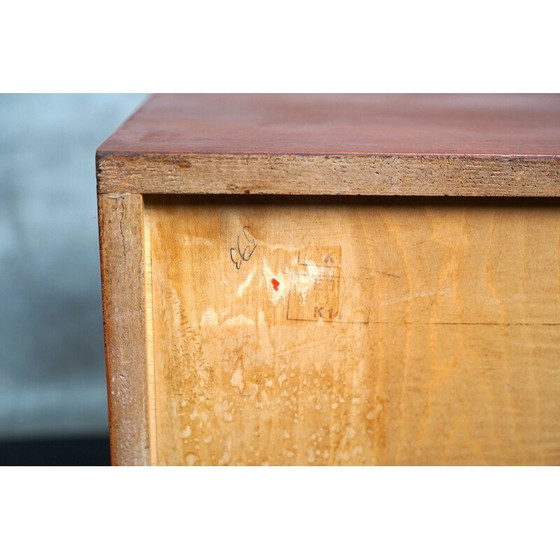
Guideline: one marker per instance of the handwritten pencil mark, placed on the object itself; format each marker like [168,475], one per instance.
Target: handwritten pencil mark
[238,255]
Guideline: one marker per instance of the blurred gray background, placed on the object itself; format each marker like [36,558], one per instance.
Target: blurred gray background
[52,377]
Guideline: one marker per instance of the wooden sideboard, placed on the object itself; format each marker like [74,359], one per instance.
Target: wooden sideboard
[333,280]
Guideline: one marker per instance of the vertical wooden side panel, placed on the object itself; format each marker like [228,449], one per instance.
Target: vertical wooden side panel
[355,332]
[121,226]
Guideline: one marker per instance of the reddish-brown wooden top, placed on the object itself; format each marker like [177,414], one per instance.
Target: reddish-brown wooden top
[404,124]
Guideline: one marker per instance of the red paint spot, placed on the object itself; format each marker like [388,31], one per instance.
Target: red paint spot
[275,284]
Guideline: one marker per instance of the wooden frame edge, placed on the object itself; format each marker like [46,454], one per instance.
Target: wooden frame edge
[123,258]
[305,174]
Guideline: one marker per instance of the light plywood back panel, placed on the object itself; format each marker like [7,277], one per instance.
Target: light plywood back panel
[345,331]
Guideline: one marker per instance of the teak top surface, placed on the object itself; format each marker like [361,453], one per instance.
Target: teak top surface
[475,125]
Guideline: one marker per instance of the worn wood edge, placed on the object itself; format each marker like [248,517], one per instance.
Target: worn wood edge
[508,176]
[150,364]
[121,224]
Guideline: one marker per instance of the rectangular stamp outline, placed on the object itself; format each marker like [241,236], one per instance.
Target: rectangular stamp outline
[322,319]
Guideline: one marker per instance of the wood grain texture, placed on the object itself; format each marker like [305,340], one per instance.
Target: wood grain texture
[121,226]
[419,145]
[335,331]
[326,124]
[330,175]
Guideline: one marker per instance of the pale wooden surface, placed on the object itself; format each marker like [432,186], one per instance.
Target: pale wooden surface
[121,226]
[338,331]
[400,145]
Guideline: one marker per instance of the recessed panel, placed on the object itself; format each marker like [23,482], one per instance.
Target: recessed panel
[348,331]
